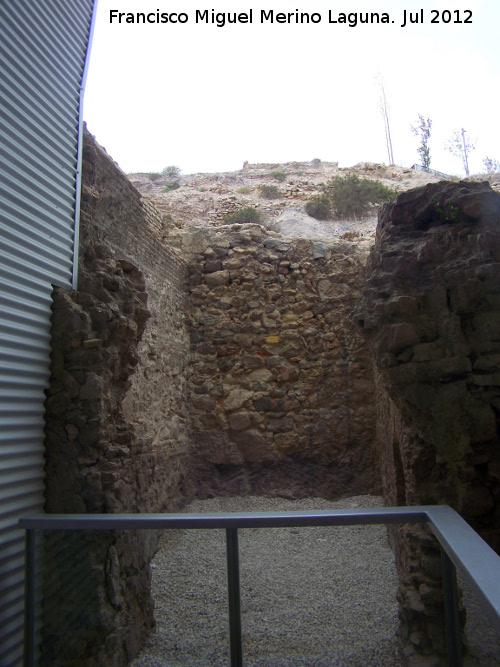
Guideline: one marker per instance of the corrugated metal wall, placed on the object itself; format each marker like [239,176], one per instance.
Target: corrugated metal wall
[43,46]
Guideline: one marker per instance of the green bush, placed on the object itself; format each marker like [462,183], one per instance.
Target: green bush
[244,190]
[171,172]
[171,186]
[351,197]
[316,161]
[319,207]
[247,214]
[269,192]
[154,176]
[278,175]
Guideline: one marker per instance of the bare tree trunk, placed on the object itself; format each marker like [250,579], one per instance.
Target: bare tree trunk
[384,110]
[466,162]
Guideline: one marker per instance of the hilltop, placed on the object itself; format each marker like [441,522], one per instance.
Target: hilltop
[205,199]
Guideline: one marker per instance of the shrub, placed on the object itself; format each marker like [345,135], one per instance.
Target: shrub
[316,162]
[243,215]
[278,175]
[244,190]
[319,207]
[154,176]
[171,172]
[352,196]
[269,192]
[171,186]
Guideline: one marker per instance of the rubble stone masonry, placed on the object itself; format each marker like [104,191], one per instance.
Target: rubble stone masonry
[281,382]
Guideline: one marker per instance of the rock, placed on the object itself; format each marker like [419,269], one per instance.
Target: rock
[252,362]
[113,578]
[218,278]
[290,317]
[239,421]
[213,266]
[280,424]
[205,403]
[264,404]
[236,399]
[92,342]
[400,336]
[260,375]
[93,387]
[318,249]
[286,373]
[332,290]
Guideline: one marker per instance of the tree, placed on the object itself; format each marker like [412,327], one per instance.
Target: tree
[460,147]
[423,129]
[491,165]
[384,110]
[171,172]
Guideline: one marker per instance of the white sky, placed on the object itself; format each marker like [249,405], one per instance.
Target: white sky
[206,98]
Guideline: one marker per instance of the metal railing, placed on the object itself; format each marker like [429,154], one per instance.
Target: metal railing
[419,167]
[460,545]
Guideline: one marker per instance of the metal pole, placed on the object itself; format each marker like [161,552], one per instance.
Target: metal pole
[29,599]
[450,590]
[233,584]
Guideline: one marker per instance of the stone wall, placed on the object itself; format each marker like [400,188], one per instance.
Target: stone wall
[122,220]
[430,311]
[281,381]
[117,424]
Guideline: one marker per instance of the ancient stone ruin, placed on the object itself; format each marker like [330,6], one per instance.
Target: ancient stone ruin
[430,314]
[245,361]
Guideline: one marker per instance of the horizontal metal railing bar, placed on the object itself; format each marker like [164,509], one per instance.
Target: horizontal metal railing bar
[346,517]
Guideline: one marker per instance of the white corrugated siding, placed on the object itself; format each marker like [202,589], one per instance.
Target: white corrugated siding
[43,45]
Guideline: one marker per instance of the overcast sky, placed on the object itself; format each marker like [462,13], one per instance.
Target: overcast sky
[207,98]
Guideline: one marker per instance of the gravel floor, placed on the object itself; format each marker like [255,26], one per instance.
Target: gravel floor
[310,596]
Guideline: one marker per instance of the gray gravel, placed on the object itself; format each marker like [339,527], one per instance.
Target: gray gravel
[310,596]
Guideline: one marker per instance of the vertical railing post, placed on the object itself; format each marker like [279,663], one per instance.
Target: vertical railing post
[233,583]
[29,599]
[450,590]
